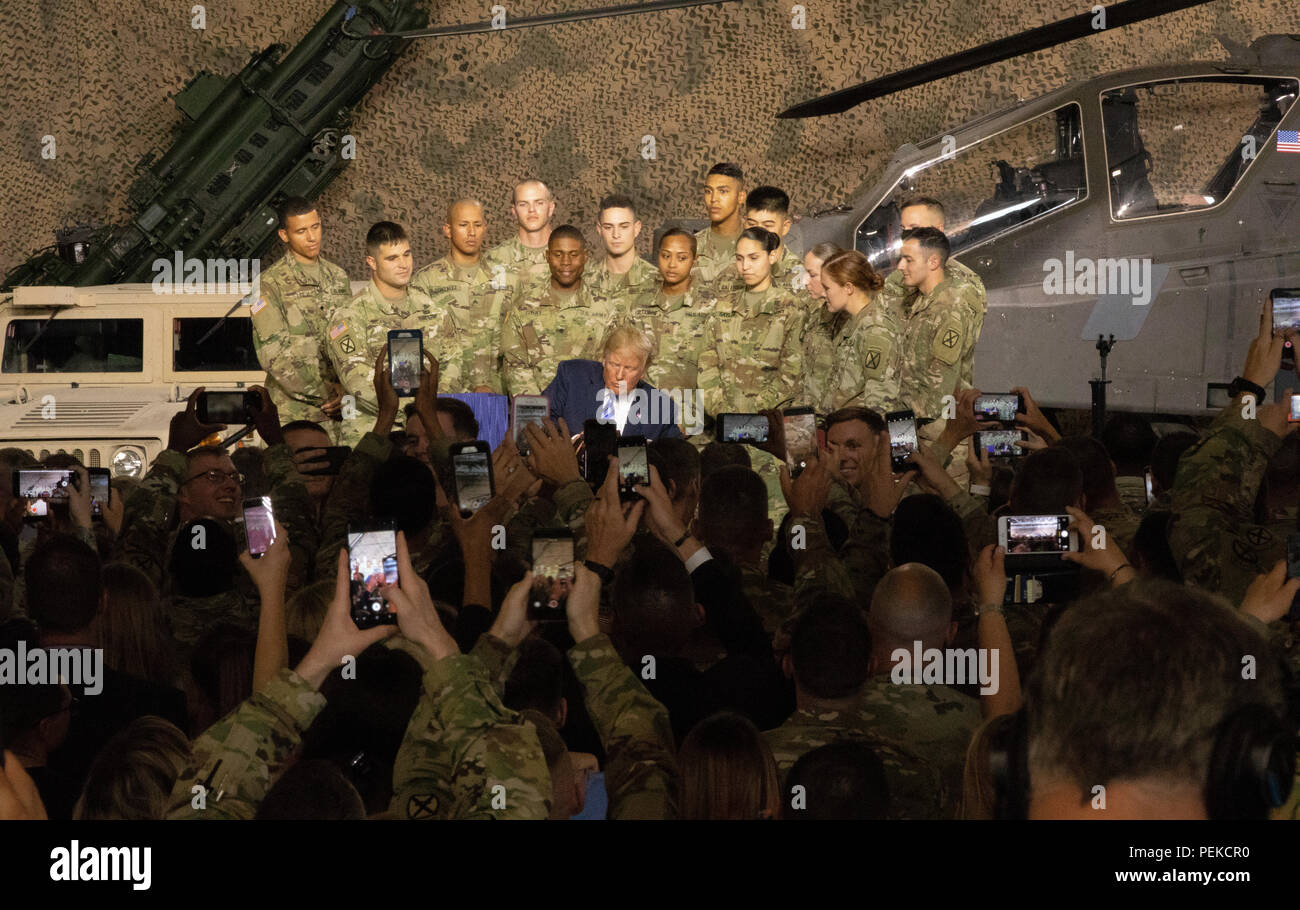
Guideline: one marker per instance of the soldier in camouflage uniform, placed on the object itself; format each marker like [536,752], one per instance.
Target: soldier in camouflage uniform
[358,332]
[820,329]
[553,321]
[463,286]
[675,315]
[724,198]
[866,370]
[621,276]
[768,207]
[299,294]
[523,256]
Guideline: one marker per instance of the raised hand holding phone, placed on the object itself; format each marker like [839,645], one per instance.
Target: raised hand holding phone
[339,636]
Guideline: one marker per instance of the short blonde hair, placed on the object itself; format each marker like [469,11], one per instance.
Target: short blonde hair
[629,337]
[133,775]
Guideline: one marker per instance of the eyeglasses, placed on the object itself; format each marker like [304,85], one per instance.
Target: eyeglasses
[215,477]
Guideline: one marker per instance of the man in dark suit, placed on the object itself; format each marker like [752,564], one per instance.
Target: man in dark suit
[611,390]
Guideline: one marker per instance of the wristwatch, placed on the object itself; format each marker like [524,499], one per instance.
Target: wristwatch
[988,608]
[1242,384]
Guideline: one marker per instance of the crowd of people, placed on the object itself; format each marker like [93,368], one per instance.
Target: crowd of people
[866,650]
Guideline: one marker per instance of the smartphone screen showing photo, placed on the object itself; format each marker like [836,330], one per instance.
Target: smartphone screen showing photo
[530,409]
[552,575]
[902,438]
[1286,314]
[259,524]
[1038,534]
[224,407]
[800,438]
[404,352]
[997,407]
[372,563]
[473,482]
[633,467]
[38,487]
[749,428]
[99,490]
[1001,442]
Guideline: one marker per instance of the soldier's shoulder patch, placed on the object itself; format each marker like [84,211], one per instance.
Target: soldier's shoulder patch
[948,341]
[258,305]
[876,348]
[338,330]
[418,807]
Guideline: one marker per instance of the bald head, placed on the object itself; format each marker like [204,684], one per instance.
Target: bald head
[466,228]
[910,604]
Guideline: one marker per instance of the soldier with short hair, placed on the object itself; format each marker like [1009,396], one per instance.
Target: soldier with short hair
[359,332]
[724,195]
[299,294]
[768,207]
[522,258]
[462,286]
[621,275]
[553,321]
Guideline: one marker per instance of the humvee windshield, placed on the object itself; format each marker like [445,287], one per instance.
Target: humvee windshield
[74,346]
[229,348]
[1000,182]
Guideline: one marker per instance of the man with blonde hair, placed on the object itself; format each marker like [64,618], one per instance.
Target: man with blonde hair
[612,389]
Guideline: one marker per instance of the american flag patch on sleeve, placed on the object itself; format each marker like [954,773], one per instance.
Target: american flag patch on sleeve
[1288,140]
[338,330]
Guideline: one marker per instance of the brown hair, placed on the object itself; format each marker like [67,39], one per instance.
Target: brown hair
[133,775]
[727,771]
[851,267]
[305,612]
[131,627]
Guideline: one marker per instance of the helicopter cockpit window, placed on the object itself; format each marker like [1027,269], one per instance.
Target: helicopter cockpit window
[65,345]
[1001,182]
[1180,145]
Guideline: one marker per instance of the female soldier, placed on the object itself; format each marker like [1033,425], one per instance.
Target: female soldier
[866,366]
[819,331]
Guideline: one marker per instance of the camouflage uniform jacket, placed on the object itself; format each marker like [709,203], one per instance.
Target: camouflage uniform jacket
[238,759]
[916,787]
[852,572]
[867,369]
[640,767]
[1133,491]
[713,255]
[936,721]
[359,331]
[464,751]
[773,601]
[289,320]
[1120,523]
[474,303]
[677,325]
[623,291]
[1215,538]
[787,272]
[546,326]
[820,329]
[939,337]
[752,358]
[522,265]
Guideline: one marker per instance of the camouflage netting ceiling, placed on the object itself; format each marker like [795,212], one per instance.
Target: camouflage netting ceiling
[572,103]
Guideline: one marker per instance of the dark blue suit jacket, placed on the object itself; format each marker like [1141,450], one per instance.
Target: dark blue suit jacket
[573,394]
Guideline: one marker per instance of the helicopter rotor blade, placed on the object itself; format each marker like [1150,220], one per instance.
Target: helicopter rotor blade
[1035,39]
[474,28]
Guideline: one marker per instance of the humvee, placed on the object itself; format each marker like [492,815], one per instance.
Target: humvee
[98,372]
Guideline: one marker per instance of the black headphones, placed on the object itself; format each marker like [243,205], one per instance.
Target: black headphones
[1252,765]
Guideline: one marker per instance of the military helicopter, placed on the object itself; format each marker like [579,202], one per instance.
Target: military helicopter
[1156,205]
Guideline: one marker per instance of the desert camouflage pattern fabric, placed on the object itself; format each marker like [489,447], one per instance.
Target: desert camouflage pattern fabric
[819,330]
[473,302]
[787,271]
[288,329]
[465,755]
[1120,523]
[772,600]
[1133,493]
[939,336]
[932,720]
[661,74]
[752,357]
[623,291]
[917,789]
[239,758]
[1215,538]
[357,333]
[546,326]
[867,367]
[677,325]
[516,264]
[640,767]
[714,254]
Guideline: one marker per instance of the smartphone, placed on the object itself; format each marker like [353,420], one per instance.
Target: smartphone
[552,574]
[1286,318]
[471,464]
[902,439]
[405,355]
[800,438]
[259,525]
[372,562]
[39,488]
[1151,492]
[526,409]
[1036,535]
[330,462]
[599,442]
[1294,416]
[748,428]
[227,407]
[1001,442]
[633,466]
[1003,406]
